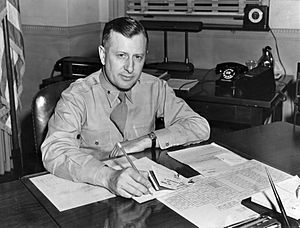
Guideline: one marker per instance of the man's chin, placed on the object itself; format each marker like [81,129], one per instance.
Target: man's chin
[126,86]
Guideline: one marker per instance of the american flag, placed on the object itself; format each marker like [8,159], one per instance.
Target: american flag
[9,8]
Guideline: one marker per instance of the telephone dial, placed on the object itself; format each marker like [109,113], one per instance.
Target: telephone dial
[230,70]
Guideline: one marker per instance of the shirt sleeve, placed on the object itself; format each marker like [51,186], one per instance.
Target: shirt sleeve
[183,126]
[61,154]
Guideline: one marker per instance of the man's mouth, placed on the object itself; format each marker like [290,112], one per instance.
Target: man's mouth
[127,77]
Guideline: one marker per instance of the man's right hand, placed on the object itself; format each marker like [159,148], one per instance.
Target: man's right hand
[126,182]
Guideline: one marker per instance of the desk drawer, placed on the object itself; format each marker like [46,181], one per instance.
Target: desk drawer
[230,113]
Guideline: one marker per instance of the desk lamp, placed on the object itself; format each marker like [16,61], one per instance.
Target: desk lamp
[175,26]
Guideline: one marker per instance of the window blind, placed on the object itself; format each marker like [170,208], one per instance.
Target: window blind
[208,11]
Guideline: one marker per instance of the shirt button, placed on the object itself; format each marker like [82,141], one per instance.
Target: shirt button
[167,144]
[96,142]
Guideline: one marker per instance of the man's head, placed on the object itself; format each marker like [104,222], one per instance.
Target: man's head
[123,51]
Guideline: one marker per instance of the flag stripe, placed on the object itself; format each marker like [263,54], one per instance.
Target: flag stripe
[2,10]
[13,16]
[16,39]
[17,46]
[2,5]
[15,4]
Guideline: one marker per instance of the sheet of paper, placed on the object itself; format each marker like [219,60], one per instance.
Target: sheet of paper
[182,84]
[169,178]
[65,194]
[154,195]
[287,192]
[218,198]
[161,173]
[209,160]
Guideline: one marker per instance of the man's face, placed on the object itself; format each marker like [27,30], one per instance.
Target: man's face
[123,59]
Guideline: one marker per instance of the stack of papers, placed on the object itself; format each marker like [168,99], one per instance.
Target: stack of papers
[211,199]
[226,179]
[209,160]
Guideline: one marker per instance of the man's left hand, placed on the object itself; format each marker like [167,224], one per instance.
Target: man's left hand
[132,146]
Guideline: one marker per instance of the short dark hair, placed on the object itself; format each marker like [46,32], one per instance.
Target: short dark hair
[127,26]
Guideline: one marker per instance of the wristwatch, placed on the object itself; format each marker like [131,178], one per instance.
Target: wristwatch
[153,137]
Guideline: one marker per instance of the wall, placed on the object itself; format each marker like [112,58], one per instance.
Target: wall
[53,29]
[56,28]
[63,13]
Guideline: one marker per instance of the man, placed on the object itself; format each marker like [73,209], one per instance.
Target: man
[86,127]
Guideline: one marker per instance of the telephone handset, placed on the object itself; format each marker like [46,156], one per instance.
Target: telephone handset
[229,70]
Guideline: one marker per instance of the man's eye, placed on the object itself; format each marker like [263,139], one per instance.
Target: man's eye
[139,58]
[122,56]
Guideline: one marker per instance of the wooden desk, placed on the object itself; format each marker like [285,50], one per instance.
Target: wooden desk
[277,144]
[19,208]
[203,100]
[119,212]
[231,109]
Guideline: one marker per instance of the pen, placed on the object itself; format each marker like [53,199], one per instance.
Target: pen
[129,160]
[127,157]
[277,198]
[245,222]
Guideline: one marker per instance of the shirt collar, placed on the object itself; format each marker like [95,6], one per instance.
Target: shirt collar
[111,91]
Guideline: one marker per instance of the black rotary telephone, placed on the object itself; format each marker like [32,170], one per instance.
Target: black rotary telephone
[230,70]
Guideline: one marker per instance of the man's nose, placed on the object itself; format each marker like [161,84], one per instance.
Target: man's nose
[129,65]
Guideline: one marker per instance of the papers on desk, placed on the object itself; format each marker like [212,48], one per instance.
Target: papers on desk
[287,192]
[212,200]
[226,180]
[65,194]
[209,160]
[218,198]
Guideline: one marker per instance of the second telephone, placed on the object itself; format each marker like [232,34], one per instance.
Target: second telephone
[230,70]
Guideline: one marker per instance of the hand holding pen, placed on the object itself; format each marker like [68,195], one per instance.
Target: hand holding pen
[128,182]
[143,177]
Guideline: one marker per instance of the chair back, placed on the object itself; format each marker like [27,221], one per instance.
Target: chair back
[43,106]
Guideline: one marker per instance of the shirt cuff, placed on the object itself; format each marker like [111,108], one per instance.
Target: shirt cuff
[165,138]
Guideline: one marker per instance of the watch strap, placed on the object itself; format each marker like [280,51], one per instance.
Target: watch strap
[153,137]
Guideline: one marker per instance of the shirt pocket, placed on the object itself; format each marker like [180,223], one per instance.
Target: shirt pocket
[97,140]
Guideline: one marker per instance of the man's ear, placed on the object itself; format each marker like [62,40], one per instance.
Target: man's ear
[101,51]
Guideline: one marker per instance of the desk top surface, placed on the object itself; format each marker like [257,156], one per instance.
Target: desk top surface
[120,212]
[19,208]
[277,144]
